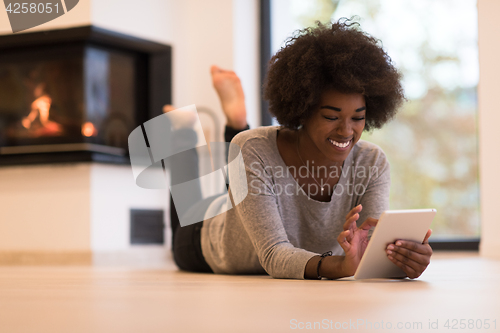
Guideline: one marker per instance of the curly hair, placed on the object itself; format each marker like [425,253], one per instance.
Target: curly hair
[332,56]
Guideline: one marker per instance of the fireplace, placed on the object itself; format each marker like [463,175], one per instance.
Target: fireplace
[74,95]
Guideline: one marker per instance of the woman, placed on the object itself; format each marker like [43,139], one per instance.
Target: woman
[314,188]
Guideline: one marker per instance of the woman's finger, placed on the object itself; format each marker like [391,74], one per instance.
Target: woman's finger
[342,240]
[349,222]
[427,235]
[369,223]
[423,248]
[353,211]
[413,261]
[410,271]
[351,226]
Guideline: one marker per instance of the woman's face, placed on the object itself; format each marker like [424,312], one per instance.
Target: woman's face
[337,124]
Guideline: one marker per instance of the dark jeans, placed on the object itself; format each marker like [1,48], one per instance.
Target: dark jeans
[186,241]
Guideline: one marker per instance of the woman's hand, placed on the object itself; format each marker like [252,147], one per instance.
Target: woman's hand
[354,240]
[412,257]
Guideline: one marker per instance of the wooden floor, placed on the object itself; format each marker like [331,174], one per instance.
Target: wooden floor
[162,299]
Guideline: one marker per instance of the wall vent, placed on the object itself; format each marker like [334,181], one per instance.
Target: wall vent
[146,226]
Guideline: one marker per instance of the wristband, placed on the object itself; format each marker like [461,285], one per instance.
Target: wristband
[326,254]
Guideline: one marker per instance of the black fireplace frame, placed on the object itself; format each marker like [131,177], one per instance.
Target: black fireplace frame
[153,69]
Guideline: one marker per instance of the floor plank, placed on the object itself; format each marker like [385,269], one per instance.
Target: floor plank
[163,299]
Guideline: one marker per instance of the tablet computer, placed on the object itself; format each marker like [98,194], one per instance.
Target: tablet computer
[392,225]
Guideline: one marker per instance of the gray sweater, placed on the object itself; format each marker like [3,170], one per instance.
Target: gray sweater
[277,228]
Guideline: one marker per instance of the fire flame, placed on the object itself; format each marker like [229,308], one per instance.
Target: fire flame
[40,108]
[88,129]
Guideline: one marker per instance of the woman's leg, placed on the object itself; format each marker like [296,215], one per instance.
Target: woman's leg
[186,243]
[183,167]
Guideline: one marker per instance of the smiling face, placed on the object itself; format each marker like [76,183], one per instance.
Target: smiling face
[337,124]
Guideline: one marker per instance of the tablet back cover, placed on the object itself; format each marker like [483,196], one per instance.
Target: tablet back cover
[393,225]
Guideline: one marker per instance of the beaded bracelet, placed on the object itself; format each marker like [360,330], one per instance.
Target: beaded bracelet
[326,254]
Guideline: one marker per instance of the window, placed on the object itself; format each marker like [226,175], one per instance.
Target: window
[432,142]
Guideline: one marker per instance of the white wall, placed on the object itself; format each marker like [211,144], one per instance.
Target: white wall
[489,118]
[246,56]
[112,194]
[71,207]
[45,208]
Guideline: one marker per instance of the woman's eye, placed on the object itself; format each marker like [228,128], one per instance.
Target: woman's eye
[356,119]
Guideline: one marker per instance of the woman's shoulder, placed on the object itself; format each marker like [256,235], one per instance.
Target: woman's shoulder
[368,153]
[258,145]
[364,146]
[264,135]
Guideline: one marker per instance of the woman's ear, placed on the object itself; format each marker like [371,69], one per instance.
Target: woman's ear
[301,125]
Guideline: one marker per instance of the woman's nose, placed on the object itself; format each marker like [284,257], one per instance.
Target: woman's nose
[345,129]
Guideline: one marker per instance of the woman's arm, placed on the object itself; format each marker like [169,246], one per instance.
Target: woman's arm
[331,268]
[259,213]
[353,241]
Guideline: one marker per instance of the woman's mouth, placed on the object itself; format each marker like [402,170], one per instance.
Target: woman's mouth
[340,145]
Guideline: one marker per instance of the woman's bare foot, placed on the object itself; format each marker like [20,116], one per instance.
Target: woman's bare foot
[228,87]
